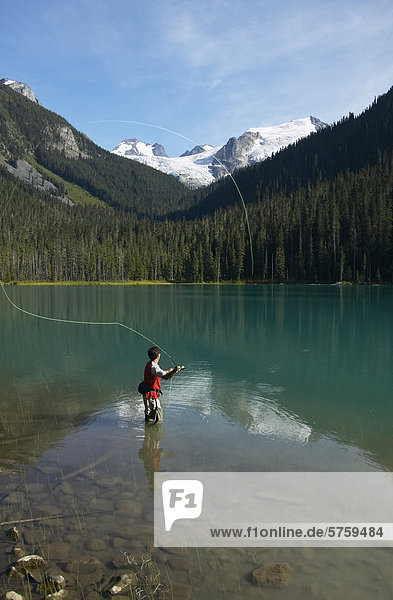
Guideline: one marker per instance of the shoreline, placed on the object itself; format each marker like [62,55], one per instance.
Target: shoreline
[160,282]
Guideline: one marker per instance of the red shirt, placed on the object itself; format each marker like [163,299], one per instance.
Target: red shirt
[152,381]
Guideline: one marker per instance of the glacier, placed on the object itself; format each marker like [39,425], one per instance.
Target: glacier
[204,164]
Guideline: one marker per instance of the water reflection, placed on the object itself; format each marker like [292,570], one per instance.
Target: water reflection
[256,409]
[151,453]
[279,361]
[276,378]
[268,418]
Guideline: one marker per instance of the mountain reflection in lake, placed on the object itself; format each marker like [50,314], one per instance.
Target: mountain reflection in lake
[277,378]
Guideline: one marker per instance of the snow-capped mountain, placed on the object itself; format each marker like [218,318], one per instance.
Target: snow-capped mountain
[192,168]
[204,164]
[20,87]
[132,148]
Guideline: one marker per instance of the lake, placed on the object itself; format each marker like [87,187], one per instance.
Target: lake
[276,378]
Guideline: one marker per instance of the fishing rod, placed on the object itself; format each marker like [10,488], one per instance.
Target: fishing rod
[116,323]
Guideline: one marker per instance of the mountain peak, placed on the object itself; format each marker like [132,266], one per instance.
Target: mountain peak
[132,148]
[197,150]
[318,124]
[204,163]
[20,87]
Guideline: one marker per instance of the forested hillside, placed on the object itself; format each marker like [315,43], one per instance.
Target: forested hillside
[44,240]
[31,132]
[348,146]
[319,212]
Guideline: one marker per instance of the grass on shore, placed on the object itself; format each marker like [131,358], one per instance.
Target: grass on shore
[141,282]
[86,283]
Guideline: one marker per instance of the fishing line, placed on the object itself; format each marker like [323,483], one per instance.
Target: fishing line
[215,158]
[146,124]
[114,323]
[37,316]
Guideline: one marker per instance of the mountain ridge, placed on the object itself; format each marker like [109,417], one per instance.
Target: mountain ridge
[320,211]
[20,87]
[66,157]
[205,164]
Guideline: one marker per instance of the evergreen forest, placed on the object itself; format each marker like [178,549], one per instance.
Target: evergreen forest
[319,211]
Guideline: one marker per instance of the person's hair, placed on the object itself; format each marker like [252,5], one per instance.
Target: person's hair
[153,352]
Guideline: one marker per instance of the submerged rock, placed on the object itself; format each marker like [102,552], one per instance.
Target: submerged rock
[95,545]
[59,594]
[49,469]
[58,551]
[124,584]
[18,552]
[159,556]
[34,536]
[13,534]
[52,584]
[31,561]
[123,560]
[14,498]
[35,575]
[271,574]
[14,573]
[64,489]
[13,596]
[86,571]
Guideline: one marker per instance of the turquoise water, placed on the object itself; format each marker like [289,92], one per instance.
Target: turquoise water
[276,378]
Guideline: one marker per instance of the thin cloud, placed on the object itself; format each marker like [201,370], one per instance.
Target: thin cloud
[244,38]
[207,69]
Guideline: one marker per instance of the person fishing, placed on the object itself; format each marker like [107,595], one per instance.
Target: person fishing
[150,388]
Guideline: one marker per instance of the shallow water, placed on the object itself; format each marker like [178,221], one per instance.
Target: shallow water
[277,378]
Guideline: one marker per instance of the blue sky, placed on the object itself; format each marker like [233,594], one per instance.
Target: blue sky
[205,69]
